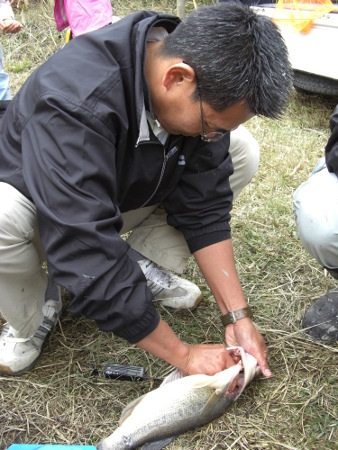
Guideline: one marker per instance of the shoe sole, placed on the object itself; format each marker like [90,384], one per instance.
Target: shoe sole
[197,302]
[5,370]
[320,321]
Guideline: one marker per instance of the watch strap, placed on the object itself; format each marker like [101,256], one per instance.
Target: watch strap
[234,316]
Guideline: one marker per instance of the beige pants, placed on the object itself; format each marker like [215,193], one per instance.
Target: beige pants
[22,280]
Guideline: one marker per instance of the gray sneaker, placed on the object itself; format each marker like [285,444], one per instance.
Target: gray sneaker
[169,289]
[320,321]
[18,355]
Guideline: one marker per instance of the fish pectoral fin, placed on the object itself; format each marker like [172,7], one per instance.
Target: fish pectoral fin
[158,445]
[127,411]
[213,399]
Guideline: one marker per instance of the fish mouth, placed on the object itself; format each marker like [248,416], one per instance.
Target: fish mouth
[238,388]
[232,395]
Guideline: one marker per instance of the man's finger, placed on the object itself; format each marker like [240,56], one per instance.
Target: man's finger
[264,366]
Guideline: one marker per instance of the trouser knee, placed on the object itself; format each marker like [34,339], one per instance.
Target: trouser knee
[317,217]
[245,154]
[320,242]
[17,232]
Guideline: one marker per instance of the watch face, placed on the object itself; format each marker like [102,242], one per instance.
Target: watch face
[232,317]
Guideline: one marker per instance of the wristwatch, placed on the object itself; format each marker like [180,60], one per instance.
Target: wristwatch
[234,316]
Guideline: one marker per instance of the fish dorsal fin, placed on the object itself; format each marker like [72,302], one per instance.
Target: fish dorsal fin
[129,408]
[173,376]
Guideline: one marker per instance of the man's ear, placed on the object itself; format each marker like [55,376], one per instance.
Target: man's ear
[177,74]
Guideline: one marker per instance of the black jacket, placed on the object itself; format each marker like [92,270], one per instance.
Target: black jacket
[72,141]
[331,149]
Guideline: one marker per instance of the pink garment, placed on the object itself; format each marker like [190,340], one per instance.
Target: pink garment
[82,15]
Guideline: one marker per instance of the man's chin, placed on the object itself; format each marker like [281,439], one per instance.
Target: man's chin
[180,133]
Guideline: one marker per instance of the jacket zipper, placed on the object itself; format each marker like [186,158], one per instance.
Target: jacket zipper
[165,160]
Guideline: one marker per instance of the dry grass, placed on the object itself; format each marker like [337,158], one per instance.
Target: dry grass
[60,402]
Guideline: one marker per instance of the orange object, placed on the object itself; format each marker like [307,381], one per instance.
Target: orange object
[300,14]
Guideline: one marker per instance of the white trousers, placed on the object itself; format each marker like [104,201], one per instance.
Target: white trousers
[316,212]
[23,281]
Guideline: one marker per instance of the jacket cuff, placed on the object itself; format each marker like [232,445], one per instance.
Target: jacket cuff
[205,240]
[138,330]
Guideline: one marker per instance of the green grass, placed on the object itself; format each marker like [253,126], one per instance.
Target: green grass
[60,402]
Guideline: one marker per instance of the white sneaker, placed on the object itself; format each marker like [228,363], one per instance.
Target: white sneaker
[18,355]
[169,289]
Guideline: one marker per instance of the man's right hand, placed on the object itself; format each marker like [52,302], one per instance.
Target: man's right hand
[190,359]
[206,358]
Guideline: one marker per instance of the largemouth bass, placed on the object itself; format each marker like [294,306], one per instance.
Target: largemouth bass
[179,405]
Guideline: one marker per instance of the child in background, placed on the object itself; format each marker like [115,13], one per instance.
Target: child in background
[8,24]
[82,15]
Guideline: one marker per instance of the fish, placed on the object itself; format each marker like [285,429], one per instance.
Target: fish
[180,404]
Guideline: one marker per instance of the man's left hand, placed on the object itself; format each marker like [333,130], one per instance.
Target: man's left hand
[243,333]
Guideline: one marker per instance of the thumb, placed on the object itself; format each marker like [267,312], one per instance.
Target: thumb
[264,366]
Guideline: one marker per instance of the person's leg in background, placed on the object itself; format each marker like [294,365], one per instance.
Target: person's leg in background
[29,301]
[160,248]
[5,93]
[316,213]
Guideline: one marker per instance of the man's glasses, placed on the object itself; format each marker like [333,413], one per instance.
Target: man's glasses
[214,136]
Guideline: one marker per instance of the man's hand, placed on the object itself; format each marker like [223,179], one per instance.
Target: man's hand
[190,359]
[207,359]
[218,267]
[10,26]
[244,334]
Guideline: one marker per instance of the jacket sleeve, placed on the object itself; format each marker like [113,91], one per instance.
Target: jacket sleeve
[69,169]
[200,205]
[331,149]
